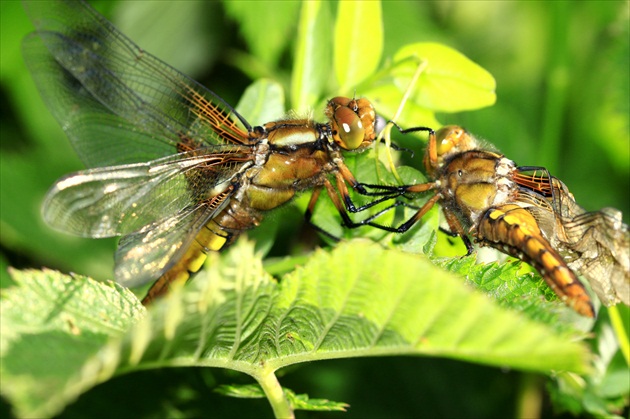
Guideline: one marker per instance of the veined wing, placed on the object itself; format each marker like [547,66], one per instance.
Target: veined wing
[119,200]
[145,255]
[602,241]
[596,244]
[118,103]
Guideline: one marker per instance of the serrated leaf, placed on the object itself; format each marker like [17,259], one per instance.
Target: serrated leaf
[358,42]
[243,391]
[450,82]
[303,402]
[527,293]
[297,401]
[52,326]
[235,316]
[312,64]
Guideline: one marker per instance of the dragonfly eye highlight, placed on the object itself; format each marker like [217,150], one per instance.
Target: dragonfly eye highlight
[352,122]
[453,139]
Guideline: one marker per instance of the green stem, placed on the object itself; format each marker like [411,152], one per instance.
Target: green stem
[386,133]
[529,403]
[273,390]
[620,331]
[557,86]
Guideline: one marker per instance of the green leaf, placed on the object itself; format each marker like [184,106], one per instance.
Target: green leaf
[52,326]
[525,292]
[235,316]
[297,401]
[243,391]
[312,63]
[262,101]
[303,402]
[450,82]
[358,42]
[386,99]
[267,29]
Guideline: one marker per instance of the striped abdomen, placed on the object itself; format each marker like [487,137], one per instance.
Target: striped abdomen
[215,235]
[513,230]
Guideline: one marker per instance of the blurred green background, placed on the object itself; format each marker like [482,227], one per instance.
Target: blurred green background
[562,71]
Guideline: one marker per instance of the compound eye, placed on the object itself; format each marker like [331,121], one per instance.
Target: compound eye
[453,139]
[444,146]
[350,130]
[448,138]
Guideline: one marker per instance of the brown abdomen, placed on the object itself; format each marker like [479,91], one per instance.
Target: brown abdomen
[513,230]
[211,237]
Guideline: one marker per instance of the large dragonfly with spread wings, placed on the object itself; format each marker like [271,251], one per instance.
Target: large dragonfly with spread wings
[173,168]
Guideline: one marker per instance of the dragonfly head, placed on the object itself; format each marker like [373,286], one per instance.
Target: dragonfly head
[453,139]
[447,141]
[352,122]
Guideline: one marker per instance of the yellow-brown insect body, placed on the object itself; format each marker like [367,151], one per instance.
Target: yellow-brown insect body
[172,168]
[287,157]
[473,181]
[480,198]
[513,230]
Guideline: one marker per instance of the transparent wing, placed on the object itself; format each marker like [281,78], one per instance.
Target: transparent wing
[145,255]
[117,103]
[595,244]
[603,244]
[120,200]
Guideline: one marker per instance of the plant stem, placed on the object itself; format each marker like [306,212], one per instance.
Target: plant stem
[273,390]
[529,402]
[557,80]
[386,133]
[620,331]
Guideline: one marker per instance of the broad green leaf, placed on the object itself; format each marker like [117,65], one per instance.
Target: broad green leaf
[262,102]
[235,316]
[52,326]
[358,42]
[311,66]
[450,82]
[386,99]
[525,292]
[266,26]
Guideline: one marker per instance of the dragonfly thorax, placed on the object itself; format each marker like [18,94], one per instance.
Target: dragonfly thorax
[474,181]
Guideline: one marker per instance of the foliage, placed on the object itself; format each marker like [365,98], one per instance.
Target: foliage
[354,301]
[61,337]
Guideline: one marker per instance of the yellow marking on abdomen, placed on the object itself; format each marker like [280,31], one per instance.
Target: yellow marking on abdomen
[210,238]
[514,230]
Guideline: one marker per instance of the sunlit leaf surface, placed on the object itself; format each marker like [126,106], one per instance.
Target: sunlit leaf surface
[358,300]
[450,82]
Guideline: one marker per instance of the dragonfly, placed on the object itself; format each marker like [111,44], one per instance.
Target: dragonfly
[173,168]
[527,213]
